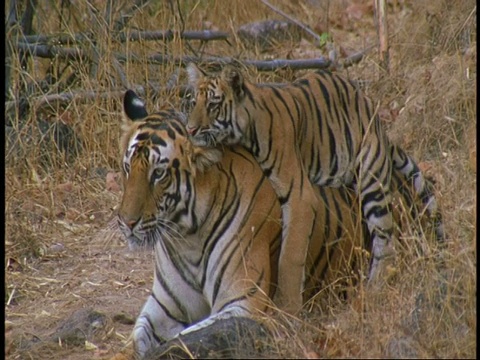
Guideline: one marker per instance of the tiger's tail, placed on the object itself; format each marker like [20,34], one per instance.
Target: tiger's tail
[422,185]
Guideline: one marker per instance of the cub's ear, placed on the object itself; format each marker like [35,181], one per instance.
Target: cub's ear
[234,78]
[194,74]
[133,106]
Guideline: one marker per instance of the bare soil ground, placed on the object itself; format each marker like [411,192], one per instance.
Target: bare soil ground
[68,274]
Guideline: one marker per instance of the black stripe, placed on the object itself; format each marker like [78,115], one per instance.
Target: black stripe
[168,313]
[151,325]
[377,211]
[160,279]
[333,153]
[227,262]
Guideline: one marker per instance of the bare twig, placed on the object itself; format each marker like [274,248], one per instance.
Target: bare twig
[357,57]
[13,26]
[295,21]
[382,30]
[9,29]
[460,28]
[125,17]
[26,29]
[121,73]
[108,15]
[12,15]
[177,13]
[27,19]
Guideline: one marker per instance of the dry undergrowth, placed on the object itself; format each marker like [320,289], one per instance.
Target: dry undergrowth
[62,253]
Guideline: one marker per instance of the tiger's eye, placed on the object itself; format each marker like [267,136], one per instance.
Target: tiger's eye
[158,174]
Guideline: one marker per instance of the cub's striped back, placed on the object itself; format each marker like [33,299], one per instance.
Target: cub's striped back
[318,130]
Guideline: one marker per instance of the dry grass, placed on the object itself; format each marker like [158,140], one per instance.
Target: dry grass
[63,254]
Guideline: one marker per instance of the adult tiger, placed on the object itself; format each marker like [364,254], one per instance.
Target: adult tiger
[318,130]
[213,220]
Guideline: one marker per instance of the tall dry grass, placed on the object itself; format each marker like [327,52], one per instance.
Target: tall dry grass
[428,102]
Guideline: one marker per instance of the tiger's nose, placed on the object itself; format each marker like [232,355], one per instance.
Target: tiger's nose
[129,222]
[191,130]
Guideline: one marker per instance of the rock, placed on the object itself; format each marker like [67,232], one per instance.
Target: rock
[83,325]
[124,319]
[233,338]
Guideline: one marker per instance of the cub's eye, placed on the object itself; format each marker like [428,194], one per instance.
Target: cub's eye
[158,174]
[215,99]
[212,106]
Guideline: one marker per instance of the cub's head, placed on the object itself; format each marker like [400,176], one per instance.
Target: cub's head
[159,167]
[213,105]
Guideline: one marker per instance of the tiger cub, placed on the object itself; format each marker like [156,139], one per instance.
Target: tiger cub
[317,130]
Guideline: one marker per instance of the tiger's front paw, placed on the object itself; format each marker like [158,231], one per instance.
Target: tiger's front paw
[143,342]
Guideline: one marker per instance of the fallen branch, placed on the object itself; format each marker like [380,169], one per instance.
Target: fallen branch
[131,35]
[86,96]
[261,65]
[168,35]
[50,51]
[270,65]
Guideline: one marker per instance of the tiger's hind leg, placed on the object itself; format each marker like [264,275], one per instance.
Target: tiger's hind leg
[298,217]
[373,186]
[423,187]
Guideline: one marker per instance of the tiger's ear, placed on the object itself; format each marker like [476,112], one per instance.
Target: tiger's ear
[201,158]
[133,106]
[194,74]
[234,78]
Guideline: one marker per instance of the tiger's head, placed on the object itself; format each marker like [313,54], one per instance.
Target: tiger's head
[213,105]
[159,167]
